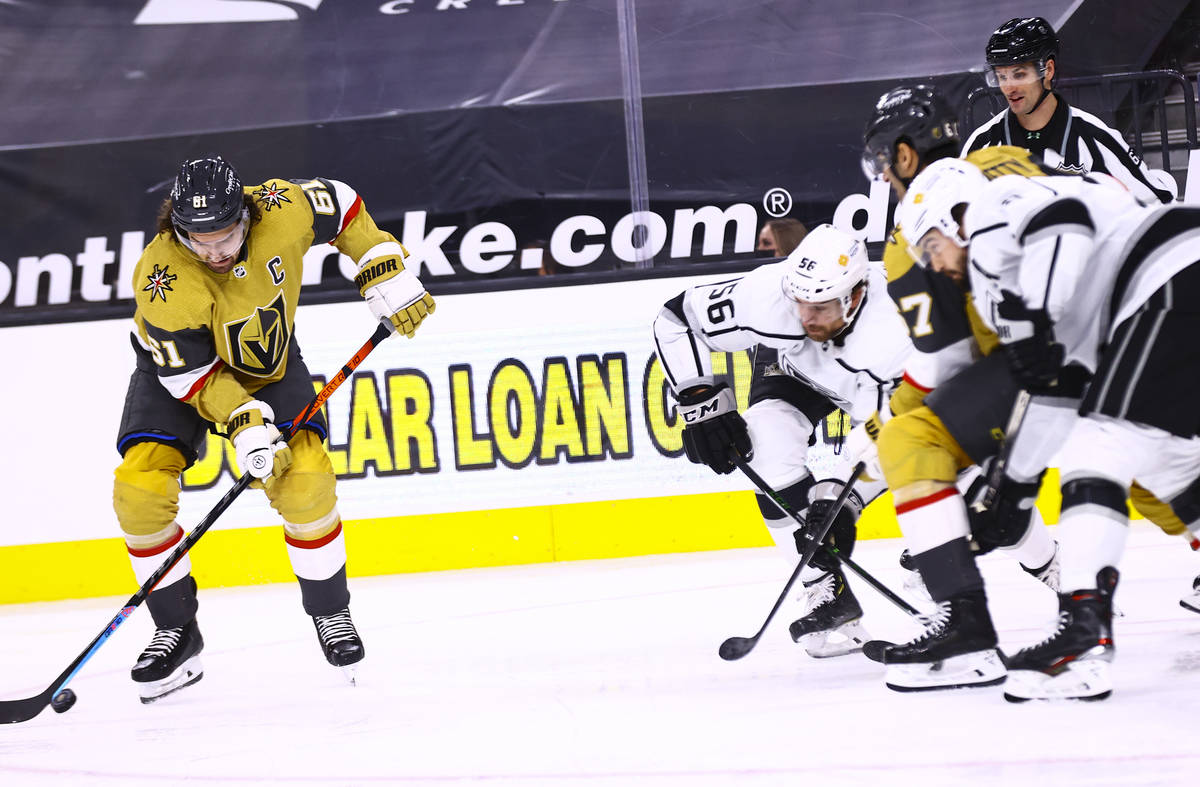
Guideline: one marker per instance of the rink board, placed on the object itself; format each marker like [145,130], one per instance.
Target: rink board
[518,427]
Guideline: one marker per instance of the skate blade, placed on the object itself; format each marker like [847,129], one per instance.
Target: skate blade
[1191,603]
[1087,680]
[968,671]
[350,673]
[184,675]
[841,641]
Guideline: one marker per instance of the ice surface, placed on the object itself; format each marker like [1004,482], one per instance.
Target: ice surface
[598,673]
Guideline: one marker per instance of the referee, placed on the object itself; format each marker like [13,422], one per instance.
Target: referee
[1021,58]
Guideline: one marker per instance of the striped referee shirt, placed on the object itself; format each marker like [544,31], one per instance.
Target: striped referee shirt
[1074,142]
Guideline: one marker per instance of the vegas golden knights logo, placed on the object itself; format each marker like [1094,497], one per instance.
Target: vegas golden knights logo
[258,343]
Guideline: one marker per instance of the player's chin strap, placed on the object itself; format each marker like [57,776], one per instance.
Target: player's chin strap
[851,318]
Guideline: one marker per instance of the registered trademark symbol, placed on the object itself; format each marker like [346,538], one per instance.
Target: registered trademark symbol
[777,202]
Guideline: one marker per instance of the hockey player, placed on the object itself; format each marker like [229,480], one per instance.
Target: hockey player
[1075,273]
[214,339]
[1022,57]
[913,127]
[840,344]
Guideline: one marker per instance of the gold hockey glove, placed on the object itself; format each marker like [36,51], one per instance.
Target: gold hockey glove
[394,295]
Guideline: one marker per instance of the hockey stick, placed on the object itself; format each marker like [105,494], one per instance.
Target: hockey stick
[883,589]
[736,647]
[996,472]
[862,573]
[12,711]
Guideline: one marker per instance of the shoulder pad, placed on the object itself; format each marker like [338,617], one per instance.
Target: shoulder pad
[896,258]
[1007,160]
[168,285]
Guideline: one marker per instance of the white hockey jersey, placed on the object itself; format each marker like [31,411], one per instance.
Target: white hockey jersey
[856,371]
[1060,244]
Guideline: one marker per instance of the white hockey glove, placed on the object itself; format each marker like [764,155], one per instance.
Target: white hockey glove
[253,437]
[861,446]
[396,297]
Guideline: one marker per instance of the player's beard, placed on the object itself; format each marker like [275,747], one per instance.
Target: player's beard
[822,333]
[221,266]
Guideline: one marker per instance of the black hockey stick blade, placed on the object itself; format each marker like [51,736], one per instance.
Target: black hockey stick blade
[14,711]
[735,648]
[731,649]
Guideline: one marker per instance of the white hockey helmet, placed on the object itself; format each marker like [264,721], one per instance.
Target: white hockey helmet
[827,265]
[932,197]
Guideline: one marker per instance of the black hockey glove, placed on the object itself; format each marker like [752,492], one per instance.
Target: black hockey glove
[1028,344]
[1008,519]
[1035,362]
[844,531]
[713,430]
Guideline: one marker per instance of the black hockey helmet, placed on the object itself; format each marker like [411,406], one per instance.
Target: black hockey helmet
[917,114]
[207,195]
[1022,40]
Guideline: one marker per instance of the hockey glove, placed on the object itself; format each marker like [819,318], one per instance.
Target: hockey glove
[1008,519]
[253,436]
[713,429]
[844,531]
[395,296]
[1028,344]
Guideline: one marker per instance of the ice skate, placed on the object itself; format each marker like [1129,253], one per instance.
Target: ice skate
[169,663]
[340,642]
[956,650]
[914,584]
[1048,574]
[1073,662]
[832,625]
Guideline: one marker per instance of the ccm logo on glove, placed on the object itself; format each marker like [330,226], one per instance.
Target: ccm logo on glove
[701,413]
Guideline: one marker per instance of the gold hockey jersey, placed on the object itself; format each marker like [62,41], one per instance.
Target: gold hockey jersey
[940,315]
[219,337]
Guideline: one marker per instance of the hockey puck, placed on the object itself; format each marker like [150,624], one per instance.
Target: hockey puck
[63,701]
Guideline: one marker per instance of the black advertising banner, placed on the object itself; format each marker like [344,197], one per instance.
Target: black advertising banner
[486,135]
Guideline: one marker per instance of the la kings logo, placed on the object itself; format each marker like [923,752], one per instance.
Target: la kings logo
[258,343]
[194,12]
